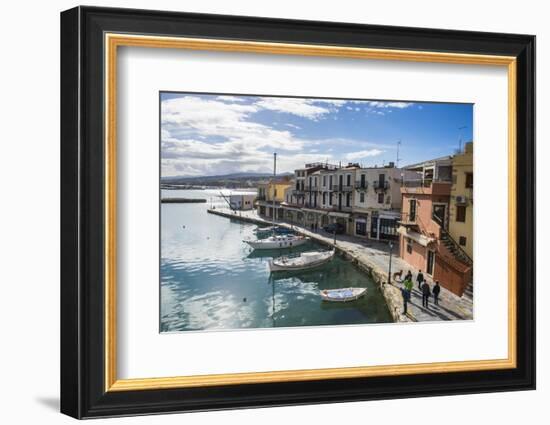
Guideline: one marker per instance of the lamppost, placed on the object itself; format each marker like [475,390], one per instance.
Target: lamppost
[389,266]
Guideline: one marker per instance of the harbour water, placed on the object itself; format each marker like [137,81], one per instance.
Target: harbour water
[211,280]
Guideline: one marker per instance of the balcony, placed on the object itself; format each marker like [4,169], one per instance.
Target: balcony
[380,185]
[347,188]
[312,188]
[361,185]
[298,192]
[427,187]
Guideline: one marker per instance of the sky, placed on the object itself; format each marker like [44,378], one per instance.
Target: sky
[216,134]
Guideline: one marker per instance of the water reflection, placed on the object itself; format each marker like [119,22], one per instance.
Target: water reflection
[210,279]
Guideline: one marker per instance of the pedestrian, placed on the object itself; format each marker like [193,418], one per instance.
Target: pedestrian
[425,294]
[420,279]
[408,284]
[436,291]
[406,294]
[409,276]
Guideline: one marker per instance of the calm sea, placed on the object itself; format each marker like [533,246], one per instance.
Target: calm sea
[210,279]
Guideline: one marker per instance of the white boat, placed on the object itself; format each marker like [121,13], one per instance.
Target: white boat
[306,260]
[278,242]
[343,294]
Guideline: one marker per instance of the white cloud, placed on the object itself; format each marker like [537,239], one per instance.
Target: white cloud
[230,98]
[352,156]
[380,104]
[305,108]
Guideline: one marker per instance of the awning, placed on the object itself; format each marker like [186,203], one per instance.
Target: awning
[415,236]
[338,214]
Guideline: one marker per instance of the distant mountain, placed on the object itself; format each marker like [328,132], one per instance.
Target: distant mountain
[225,180]
[188,179]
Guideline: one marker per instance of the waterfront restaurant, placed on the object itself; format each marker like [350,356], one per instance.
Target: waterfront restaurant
[425,242]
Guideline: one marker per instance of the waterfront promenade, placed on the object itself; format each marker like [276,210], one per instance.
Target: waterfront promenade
[374,256]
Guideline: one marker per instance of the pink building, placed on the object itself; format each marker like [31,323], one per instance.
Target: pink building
[424,240]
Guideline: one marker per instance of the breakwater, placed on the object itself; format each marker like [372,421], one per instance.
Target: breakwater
[182,201]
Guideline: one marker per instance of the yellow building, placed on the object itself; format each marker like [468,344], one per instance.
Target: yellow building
[271,194]
[461,217]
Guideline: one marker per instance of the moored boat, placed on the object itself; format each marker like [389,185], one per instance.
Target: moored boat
[277,230]
[343,294]
[304,261]
[278,242]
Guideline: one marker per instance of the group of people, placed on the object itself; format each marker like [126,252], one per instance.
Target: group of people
[423,287]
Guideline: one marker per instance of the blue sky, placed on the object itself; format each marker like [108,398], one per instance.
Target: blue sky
[221,134]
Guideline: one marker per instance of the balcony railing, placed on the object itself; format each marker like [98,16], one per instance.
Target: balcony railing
[361,185]
[380,185]
[312,188]
[423,183]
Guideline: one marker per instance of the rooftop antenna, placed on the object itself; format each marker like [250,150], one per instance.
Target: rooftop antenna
[397,157]
[460,139]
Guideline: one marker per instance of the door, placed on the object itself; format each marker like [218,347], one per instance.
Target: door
[362,181]
[412,210]
[438,214]
[374,227]
[430,263]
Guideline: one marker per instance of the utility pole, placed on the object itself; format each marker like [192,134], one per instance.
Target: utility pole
[397,157]
[389,266]
[274,184]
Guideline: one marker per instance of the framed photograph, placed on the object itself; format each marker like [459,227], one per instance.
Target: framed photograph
[261,212]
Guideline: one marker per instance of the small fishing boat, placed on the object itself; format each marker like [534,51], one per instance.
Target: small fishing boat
[278,242]
[343,294]
[304,261]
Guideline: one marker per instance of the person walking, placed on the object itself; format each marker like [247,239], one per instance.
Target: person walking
[436,291]
[406,294]
[409,276]
[420,279]
[408,284]
[425,294]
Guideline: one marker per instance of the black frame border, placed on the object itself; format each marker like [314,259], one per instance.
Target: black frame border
[82,206]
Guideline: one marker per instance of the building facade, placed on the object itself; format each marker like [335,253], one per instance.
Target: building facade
[377,201]
[242,201]
[270,196]
[425,242]
[461,215]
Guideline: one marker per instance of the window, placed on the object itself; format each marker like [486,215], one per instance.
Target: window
[275,192]
[315,182]
[461,213]
[380,198]
[362,181]
[330,180]
[348,199]
[330,198]
[362,197]
[348,180]
[324,198]
[462,240]
[310,181]
[412,210]
[469,180]
[409,246]
[324,181]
